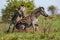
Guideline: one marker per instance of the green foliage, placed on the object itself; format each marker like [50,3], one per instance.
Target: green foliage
[52,31]
[8,12]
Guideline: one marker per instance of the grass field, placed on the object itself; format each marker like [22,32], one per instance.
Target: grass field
[50,26]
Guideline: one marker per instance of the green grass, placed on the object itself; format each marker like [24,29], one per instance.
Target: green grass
[52,27]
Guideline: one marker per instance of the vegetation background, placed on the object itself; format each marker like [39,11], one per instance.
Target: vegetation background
[48,29]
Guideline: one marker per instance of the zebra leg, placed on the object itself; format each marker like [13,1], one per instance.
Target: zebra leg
[13,28]
[36,28]
[9,27]
[15,22]
[33,26]
[25,29]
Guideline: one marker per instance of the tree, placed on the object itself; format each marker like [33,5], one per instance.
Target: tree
[8,12]
[52,8]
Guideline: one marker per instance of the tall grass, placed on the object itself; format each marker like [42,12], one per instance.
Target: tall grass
[48,30]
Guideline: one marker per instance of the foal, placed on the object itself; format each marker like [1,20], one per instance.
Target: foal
[31,19]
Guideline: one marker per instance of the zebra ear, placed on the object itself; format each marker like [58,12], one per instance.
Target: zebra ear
[42,8]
